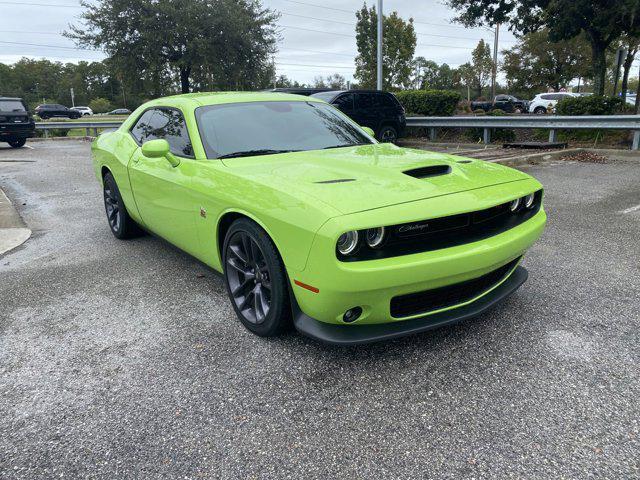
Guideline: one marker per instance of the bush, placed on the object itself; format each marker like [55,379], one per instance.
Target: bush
[429,103]
[591,105]
[479,111]
[502,134]
[100,105]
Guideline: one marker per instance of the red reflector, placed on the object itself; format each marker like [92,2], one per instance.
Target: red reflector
[308,287]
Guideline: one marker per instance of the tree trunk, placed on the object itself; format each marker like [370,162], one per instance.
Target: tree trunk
[184,79]
[628,61]
[638,95]
[599,65]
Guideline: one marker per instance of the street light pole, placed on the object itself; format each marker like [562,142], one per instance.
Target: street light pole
[495,61]
[379,59]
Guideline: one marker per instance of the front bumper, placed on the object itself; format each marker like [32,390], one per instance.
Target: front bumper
[354,335]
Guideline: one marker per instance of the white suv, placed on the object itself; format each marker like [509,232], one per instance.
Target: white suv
[83,110]
[544,101]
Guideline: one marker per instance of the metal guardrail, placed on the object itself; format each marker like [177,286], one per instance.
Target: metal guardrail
[547,122]
[88,126]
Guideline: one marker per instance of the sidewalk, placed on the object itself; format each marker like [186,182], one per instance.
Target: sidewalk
[13,231]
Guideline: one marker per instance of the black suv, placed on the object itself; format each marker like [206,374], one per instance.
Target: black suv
[49,110]
[16,125]
[375,109]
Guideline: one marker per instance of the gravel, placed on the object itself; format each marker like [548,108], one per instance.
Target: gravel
[125,360]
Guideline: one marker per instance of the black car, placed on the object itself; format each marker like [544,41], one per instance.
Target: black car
[50,110]
[375,109]
[16,125]
[506,103]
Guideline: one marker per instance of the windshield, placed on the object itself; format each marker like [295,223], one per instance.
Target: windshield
[11,106]
[262,128]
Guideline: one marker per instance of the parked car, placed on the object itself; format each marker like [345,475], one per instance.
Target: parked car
[506,103]
[311,221]
[378,110]
[299,91]
[16,125]
[84,111]
[544,102]
[631,99]
[120,111]
[50,110]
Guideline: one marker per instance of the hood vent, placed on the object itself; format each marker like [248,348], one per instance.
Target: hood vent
[430,171]
[337,180]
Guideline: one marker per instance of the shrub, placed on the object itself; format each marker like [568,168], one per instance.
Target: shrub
[591,105]
[430,103]
[100,105]
[479,111]
[502,134]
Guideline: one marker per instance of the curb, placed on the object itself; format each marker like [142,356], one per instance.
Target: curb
[13,231]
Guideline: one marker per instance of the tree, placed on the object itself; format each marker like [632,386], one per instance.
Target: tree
[335,82]
[398,49]
[477,74]
[225,43]
[602,21]
[632,45]
[536,63]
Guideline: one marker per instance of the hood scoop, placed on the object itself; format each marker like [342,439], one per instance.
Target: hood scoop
[429,171]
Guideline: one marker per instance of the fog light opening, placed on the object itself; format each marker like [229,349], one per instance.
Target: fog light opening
[352,314]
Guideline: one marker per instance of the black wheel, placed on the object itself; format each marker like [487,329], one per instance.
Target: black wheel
[387,134]
[256,279]
[17,142]
[540,110]
[121,224]
[517,110]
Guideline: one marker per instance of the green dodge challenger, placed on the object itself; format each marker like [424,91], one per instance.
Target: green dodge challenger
[311,221]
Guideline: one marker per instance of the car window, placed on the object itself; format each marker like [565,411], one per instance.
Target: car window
[384,101]
[344,102]
[271,127]
[326,96]
[365,101]
[166,123]
[547,97]
[11,106]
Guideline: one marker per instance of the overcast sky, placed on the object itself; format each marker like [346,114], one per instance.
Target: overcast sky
[318,36]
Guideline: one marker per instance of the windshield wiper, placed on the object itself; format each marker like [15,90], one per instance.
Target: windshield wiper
[347,145]
[251,153]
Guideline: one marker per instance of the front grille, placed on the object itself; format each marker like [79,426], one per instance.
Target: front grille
[449,296]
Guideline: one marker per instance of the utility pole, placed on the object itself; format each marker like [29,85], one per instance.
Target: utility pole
[379,60]
[495,61]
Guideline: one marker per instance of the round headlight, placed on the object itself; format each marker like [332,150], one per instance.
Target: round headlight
[528,200]
[375,237]
[514,205]
[348,242]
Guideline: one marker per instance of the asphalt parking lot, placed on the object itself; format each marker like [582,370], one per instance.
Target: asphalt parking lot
[125,360]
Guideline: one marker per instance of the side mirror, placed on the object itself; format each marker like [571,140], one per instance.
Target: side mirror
[369,131]
[159,148]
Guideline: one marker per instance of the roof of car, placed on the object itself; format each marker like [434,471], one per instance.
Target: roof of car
[215,98]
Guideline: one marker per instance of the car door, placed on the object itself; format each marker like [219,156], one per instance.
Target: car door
[162,192]
[365,111]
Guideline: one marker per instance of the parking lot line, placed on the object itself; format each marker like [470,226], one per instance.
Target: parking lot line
[631,209]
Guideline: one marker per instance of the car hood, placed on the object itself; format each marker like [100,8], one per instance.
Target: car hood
[355,179]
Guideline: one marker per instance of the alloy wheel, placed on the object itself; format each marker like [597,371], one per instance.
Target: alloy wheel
[112,207]
[388,136]
[249,277]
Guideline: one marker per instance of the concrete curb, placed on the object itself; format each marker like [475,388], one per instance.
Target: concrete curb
[13,231]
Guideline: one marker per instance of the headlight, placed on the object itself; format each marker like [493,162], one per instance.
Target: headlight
[514,205]
[528,200]
[347,243]
[375,237]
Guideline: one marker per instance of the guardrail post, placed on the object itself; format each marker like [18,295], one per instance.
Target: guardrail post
[86,132]
[553,136]
[433,134]
[486,137]
[95,131]
[636,140]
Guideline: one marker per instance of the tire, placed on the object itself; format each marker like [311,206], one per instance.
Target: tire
[17,142]
[120,223]
[517,110]
[388,134]
[540,110]
[256,280]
